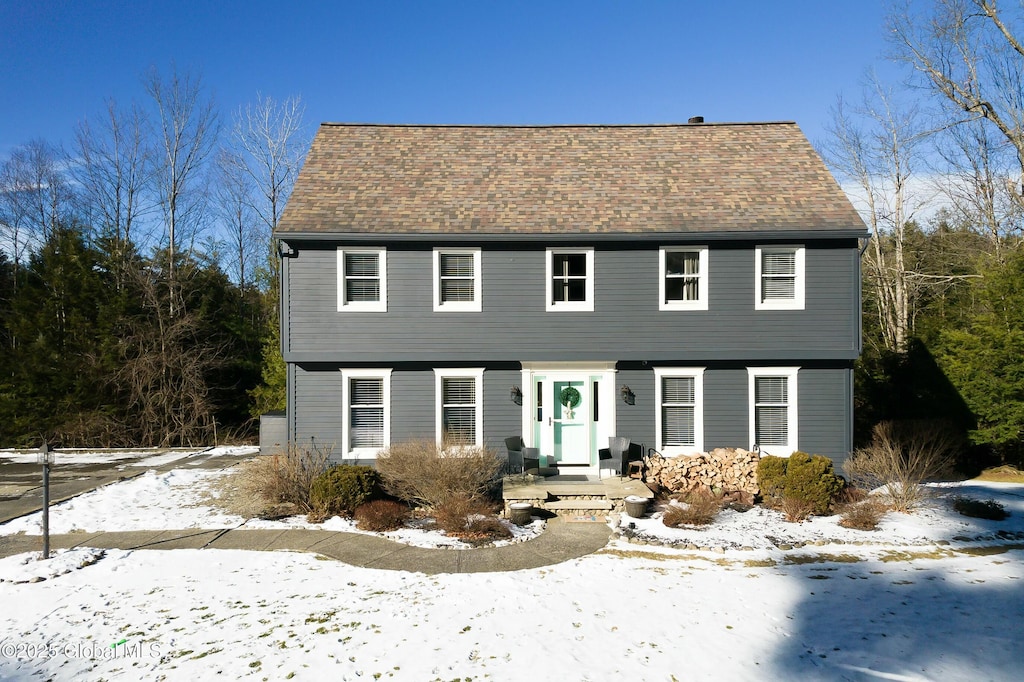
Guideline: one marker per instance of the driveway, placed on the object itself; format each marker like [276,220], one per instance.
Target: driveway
[78,471]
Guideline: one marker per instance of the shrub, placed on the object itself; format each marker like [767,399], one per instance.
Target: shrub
[901,456]
[701,508]
[796,509]
[798,485]
[343,488]
[454,515]
[486,528]
[381,515]
[771,479]
[424,472]
[862,515]
[980,509]
[810,479]
[286,478]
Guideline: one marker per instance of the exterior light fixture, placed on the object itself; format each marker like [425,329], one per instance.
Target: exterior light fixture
[628,396]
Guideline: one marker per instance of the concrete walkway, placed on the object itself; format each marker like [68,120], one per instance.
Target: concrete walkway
[560,541]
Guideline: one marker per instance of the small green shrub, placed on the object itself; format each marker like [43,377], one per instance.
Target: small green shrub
[809,478]
[862,515]
[702,506]
[980,509]
[343,488]
[771,479]
[381,515]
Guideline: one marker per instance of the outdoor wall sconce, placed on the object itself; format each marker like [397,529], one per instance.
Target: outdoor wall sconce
[628,396]
[516,395]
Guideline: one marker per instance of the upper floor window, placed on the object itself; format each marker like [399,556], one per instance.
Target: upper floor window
[366,403]
[362,280]
[459,400]
[779,278]
[683,283]
[773,409]
[679,392]
[570,279]
[457,280]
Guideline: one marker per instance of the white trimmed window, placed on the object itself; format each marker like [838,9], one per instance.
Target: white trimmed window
[679,392]
[570,277]
[773,409]
[362,280]
[459,401]
[366,402]
[684,278]
[457,280]
[779,277]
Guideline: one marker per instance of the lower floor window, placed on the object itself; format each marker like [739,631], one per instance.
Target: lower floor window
[774,409]
[459,406]
[367,407]
[680,398]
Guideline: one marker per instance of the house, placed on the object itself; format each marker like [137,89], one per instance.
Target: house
[686,286]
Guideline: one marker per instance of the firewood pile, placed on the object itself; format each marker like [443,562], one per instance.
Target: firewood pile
[722,470]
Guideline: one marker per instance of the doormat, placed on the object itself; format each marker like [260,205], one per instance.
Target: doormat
[585,518]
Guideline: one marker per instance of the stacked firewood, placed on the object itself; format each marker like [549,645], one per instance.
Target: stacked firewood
[723,470]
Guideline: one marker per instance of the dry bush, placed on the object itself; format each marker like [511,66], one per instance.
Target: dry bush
[485,528]
[381,515]
[286,478]
[796,509]
[901,456]
[862,515]
[454,515]
[424,472]
[702,506]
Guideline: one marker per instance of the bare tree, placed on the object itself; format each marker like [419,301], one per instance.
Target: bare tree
[877,154]
[187,129]
[270,142]
[114,161]
[34,195]
[979,180]
[968,52]
[233,199]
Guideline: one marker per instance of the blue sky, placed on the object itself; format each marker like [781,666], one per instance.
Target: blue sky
[444,62]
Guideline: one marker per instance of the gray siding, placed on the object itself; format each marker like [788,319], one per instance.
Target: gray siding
[826,413]
[626,323]
[726,413]
[635,422]
[824,405]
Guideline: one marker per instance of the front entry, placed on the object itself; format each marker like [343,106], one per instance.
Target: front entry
[569,413]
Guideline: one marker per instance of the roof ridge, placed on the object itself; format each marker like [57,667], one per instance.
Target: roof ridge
[553,125]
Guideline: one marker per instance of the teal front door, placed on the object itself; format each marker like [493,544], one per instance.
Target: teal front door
[570,401]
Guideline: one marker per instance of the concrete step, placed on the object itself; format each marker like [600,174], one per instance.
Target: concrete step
[556,505]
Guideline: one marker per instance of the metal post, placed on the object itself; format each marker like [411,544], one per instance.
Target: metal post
[46,457]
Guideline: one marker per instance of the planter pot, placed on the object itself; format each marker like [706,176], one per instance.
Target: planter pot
[520,513]
[636,506]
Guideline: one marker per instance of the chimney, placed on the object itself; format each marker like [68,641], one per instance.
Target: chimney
[696,119]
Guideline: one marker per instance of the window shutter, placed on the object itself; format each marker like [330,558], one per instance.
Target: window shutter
[456,265]
[361,265]
[770,390]
[778,263]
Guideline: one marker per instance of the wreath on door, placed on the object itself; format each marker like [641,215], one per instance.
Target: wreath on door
[570,398]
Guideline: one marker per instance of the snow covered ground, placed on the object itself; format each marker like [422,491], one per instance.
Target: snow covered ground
[930,596]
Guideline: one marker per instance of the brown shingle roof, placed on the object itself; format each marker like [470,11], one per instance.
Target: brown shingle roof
[507,180]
